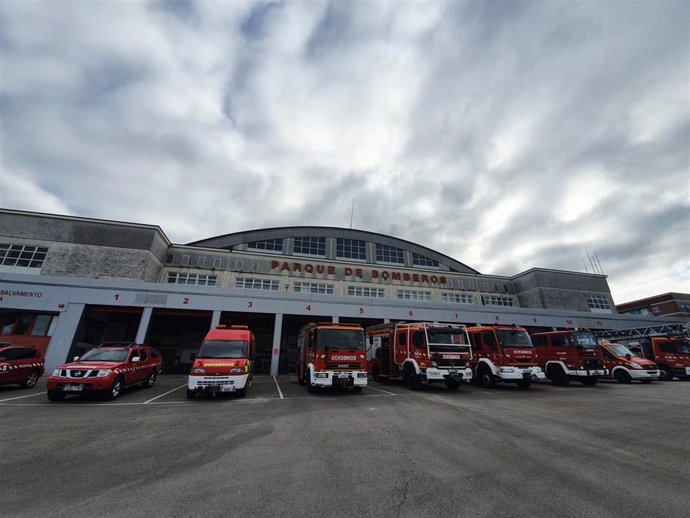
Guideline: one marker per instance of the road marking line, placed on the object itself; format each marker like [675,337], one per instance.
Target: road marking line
[22,397]
[168,392]
[280,392]
[384,391]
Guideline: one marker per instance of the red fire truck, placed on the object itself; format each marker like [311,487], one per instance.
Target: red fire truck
[569,355]
[331,355]
[667,345]
[503,354]
[623,366]
[420,352]
[225,362]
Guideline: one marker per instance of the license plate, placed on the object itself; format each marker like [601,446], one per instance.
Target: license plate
[225,388]
[452,372]
[73,388]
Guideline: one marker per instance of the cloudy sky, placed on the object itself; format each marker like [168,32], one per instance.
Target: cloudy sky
[506,134]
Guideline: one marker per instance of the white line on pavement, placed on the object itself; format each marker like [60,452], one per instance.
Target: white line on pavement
[384,391]
[168,392]
[21,397]
[280,392]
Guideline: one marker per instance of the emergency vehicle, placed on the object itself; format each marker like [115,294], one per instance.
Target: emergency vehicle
[105,370]
[666,345]
[503,354]
[331,355]
[20,365]
[569,355]
[623,366]
[224,363]
[420,352]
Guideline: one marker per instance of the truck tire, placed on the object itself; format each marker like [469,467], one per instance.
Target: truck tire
[54,395]
[646,382]
[242,392]
[589,381]
[558,376]
[622,376]
[377,374]
[486,377]
[411,378]
[30,380]
[311,388]
[191,394]
[524,384]
[665,373]
[453,384]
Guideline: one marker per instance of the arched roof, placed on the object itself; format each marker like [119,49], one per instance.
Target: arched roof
[230,241]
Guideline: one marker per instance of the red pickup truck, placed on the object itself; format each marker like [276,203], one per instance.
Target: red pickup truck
[106,370]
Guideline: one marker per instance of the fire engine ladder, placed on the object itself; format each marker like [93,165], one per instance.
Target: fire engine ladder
[644,332]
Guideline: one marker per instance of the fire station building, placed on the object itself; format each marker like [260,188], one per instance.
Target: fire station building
[69,283]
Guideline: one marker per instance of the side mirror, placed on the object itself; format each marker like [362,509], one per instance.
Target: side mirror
[75,358]
[628,356]
[135,359]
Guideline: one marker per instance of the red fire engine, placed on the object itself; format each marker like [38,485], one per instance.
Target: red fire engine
[666,345]
[503,354]
[569,355]
[420,352]
[331,355]
[225,362]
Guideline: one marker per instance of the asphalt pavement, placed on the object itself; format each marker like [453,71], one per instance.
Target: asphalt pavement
[604,451]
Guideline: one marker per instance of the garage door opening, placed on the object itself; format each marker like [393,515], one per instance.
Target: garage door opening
[178,335]
[104,324]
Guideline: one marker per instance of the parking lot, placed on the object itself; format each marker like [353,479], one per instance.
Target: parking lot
[607,450]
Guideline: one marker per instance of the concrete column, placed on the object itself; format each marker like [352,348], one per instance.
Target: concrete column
[215,319]
[63,336]
[144,325]
[335,319]
[277,332]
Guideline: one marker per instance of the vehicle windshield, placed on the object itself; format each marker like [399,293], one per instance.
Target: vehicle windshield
[105,355]
[514,338]
[341,339]
[620,350]
[223,349]
[584,340]
[445,340]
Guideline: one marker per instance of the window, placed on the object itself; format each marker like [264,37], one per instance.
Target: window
[217,262]
[365,291]
[185,260]
[310,246]
[314,287]
[420,260]
[191,278]
[389,254]
[200,262]
[598,304]
[414,295]
[41,325]
[21,258]
[457,298]
[497,300]
[268,245]
[256,284]
[351,249]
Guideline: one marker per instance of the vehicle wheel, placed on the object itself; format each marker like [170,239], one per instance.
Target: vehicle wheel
[30,380]
[242,392]
[356,390]
[665,373]
[523,384]
[452,384]
[486,378]
[646,382]
[311,388]
[151,379]
[377,374]
[54,395]
[590,381]
[411,378]
[191,394]
[622,376]
[116,388]
[558,377]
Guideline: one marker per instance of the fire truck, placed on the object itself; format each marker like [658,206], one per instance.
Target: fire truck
[569,355]
[224,363]
[331,355]
[667,345]
[503,354]
[420,352]
[623,366]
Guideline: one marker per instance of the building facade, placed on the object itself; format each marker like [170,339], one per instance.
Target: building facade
[673,305]
[69,283]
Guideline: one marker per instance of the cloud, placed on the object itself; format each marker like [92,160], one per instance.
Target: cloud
[507,135]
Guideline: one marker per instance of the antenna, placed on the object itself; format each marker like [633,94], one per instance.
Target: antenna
[596,259]
[352,212]
[583,262]
[590,261]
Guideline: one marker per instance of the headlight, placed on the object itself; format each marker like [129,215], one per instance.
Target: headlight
[507,369]
[434,364]
[361,374]
[635,365]
[237,370]
[103,373]
[321,374]
[57,372]
[198,371]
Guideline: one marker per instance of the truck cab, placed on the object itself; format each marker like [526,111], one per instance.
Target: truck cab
[503,354]
[331,355]
[419,353]
[623,366]
[670,353]
[569,355]
[224,362]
